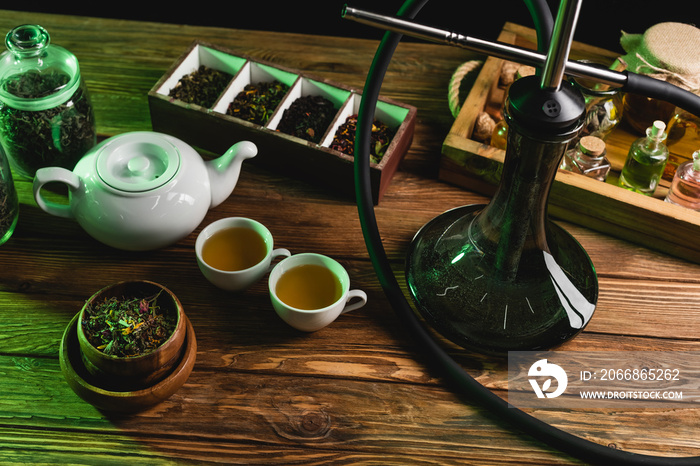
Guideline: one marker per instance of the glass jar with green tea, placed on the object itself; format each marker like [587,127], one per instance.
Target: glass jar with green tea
[9,203]
[46,118]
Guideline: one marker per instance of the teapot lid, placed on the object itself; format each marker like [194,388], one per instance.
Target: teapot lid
[138,161]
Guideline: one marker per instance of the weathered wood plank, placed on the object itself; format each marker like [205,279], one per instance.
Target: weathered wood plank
[314,415]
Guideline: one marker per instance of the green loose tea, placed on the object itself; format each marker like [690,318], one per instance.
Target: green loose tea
[257,102]
[127,327]
[344,138]
[308,118]
[57,136]
[8,209]
[201,87]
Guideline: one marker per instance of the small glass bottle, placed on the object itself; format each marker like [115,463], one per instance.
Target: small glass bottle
[639,111]
[499,137]
[683,131]
[604,113]
[9,204]
[587,158]
[603,104]
[685,188]
[646,160]
[683,138]
[46,118]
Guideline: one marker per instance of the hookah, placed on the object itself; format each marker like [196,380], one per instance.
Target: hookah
[502,277]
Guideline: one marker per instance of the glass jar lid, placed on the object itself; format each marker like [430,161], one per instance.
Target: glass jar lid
[34,74]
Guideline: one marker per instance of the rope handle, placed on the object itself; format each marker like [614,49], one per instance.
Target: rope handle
[455,81]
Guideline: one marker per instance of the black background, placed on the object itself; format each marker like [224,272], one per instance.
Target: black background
[600,23]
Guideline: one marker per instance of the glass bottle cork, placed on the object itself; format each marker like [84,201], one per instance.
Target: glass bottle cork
[685,188]
[46,118]
[499,137]
[587,158]
[646,160]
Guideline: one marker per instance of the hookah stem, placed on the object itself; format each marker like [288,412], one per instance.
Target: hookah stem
[560,45]
[523,214]
[532,166]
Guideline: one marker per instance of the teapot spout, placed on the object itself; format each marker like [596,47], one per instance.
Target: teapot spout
[224,170]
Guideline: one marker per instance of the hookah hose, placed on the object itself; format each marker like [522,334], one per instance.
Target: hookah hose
[464,383]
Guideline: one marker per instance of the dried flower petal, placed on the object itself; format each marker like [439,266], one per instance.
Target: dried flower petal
[344,139]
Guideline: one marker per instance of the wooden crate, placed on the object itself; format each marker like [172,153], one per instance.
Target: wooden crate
[605,207]
[213,130]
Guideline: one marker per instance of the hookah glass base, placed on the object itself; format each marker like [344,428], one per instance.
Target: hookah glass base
[503,277]
[456,289]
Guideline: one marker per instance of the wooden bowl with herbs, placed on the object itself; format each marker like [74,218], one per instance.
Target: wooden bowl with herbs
[131,334]
[106,398]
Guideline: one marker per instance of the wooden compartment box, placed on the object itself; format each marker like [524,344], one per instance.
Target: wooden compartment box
[605,207]
[211,129]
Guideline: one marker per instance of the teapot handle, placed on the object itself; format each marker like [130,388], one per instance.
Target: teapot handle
[51,175]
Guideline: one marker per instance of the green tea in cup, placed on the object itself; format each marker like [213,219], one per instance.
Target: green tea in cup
[235,252]
[309,291]
[234,248]
[309,286]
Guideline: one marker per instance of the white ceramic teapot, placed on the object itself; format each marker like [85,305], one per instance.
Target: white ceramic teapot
[143,190]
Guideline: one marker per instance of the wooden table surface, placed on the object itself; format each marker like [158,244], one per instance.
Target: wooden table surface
[358,391]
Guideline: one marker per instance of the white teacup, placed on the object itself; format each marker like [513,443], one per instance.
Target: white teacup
[236,278]
[309,317]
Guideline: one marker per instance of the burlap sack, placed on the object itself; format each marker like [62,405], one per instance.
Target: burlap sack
[666,51]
